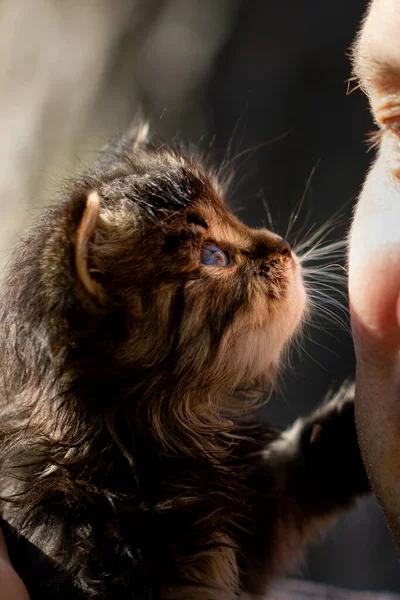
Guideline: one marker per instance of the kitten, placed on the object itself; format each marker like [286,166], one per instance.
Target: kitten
[133,314]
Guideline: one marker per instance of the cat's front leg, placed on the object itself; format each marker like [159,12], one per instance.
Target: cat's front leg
[321,459]
[317,460]
[308,474]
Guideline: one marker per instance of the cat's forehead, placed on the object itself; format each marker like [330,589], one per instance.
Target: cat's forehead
[193,188]
[161,173]
[223,225]
[164,182]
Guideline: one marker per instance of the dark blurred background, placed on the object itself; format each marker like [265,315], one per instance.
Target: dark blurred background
[242,73]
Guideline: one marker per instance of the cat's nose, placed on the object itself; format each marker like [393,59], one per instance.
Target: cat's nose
[284,248]
[267,244]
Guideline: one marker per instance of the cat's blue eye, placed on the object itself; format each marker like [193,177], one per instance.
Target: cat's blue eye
[214,256]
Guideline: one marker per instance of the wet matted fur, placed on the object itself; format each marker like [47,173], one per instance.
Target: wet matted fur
[125,455]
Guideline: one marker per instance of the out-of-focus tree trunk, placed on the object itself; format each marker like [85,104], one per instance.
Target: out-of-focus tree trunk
[53,58]
[54,55]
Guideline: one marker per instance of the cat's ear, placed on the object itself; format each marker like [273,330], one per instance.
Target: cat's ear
[137,134]
[84,237]
[136,138]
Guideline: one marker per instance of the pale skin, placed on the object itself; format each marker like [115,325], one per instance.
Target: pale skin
[374,265]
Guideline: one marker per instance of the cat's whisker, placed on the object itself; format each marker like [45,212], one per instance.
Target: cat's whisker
[302,350]
[315,343]
[268,212]
[297,209]
[320,272]
[317,235]
[327,301]
[331,308]
[327,275]
[329,288]
[320,254]
[319,248]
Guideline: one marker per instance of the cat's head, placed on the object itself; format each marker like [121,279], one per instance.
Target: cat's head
[144,270]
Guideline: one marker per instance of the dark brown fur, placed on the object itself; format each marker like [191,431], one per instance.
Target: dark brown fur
[122,453]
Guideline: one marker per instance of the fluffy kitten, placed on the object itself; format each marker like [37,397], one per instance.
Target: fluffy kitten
[133,313]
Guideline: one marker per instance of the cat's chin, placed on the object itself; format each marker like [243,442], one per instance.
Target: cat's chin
[297,299]
[267,346]
[282,318]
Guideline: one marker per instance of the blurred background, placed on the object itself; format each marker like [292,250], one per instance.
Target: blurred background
[242,73]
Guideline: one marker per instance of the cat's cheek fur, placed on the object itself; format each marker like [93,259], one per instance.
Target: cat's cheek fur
[254,353]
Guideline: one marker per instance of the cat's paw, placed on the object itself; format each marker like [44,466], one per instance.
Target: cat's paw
[329,447]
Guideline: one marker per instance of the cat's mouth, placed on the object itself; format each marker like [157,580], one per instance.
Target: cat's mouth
[280,275]
[278,300]
[286,286]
